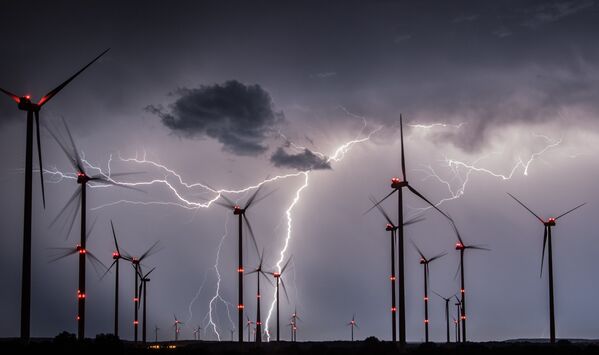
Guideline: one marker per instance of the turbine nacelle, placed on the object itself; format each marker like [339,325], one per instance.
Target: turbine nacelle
[238,210]
[82,178]
[550,222]
[459,246]
[80,249]
[396,183]
[390,227]
[25,104]
[116,255]
[276,274]
[423,261]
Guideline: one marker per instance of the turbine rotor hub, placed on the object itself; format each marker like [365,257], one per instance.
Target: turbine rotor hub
[397,183]
[82,178]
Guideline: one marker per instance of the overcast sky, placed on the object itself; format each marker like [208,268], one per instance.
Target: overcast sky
[496,98]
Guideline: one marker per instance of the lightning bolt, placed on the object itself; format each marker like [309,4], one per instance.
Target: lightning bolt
[217,297]
[461,171]
[337,156]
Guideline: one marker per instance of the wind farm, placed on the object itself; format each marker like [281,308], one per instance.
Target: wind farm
[217,165]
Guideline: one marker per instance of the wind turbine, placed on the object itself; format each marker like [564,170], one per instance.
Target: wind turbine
[548,224]
[249,326]
[291,326]
[241,212]
[79,197]
[96,263]
[457,329]
[142,292]
[116,256]
[447,300]
[176,325]
[458,305]
[156,329]
[259,271]
[277,276]
[197,333]
[136,264]
[24,103]
[397,185]
[424,261]
[462,247]
[353,324]
[391,227]
[294,319]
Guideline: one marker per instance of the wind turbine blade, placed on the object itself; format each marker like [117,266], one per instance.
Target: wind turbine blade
[477,247]
[267,279]
[417,249]
[286,264]
[433,291]
[261,260]
[116,244]
[457,271]
[74,196]
[68,252]
[253,196]
[12,96]
[543,253]
[39,155]
[415,219]
[403,158]
[225,205]
[56,90]
[381,210]
[66,151]
[252,236]
[378,203]
[457,232]
[438,256]
[285,290]
[149,272]
[572,210]
[108,270]
[96,263]
[74,147]
[261,198]
[126,255]
[151,250]
[229,204]
[528,209]
[427,201]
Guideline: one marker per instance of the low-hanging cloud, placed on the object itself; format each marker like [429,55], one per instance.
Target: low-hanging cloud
[303,161]
[239,116]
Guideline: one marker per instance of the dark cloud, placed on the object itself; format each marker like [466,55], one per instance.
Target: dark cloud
[303,161]
[239,116]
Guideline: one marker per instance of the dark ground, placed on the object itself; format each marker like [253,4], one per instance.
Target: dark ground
[107,344]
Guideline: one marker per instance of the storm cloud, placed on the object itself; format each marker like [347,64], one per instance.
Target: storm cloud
[303,161]
[239,116]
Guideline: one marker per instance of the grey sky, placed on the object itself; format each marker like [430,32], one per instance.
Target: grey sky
[508,78]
